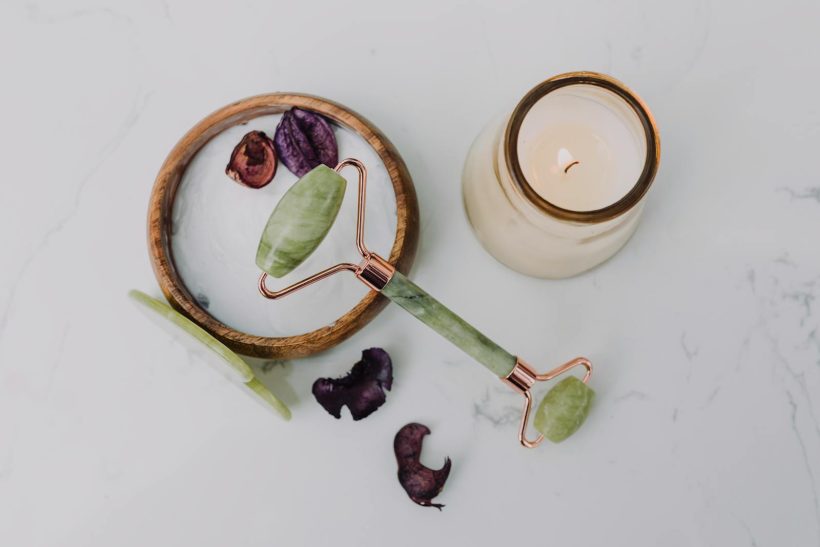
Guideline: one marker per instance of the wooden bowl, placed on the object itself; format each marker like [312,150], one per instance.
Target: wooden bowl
[160,218]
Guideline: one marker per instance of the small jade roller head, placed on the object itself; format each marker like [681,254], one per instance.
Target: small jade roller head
[300,221]
[562,410]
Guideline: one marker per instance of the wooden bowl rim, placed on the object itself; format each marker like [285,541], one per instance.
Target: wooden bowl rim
[160,215]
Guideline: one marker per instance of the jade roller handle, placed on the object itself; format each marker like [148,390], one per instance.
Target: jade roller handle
[563,409]
[438,317]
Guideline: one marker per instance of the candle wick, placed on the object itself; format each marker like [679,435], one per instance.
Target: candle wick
[567,168]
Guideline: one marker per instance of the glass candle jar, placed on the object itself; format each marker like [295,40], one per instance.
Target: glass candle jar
[557,187]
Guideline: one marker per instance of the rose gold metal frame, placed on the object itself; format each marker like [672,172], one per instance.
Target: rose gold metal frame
[523,377]
[374,271]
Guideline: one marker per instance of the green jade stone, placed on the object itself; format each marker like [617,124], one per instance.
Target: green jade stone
[563,409]
[434,314]
[214,352]
[300,221]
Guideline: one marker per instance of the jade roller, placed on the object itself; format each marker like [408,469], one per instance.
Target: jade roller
[303,218]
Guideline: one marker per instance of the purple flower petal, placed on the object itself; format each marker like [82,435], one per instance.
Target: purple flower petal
[362,389]
[305,140]
[421,483]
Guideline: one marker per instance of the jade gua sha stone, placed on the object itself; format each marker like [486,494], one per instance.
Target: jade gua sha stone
[214,352]
[302,219]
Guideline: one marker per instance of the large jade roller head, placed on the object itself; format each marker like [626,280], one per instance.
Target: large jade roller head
[300,221]
[303,218]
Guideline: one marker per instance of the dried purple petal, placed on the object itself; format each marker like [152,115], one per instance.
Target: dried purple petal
[362,389]
[421,483]
[253,161]
[305,140]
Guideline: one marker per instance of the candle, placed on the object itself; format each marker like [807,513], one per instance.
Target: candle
[581,147]
[558,186]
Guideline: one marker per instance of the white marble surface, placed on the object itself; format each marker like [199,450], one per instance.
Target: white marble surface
[705,328]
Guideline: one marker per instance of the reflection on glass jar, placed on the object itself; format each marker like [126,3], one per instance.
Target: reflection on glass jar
[558,186]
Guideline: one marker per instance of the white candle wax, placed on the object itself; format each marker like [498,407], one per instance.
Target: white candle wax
[581,147]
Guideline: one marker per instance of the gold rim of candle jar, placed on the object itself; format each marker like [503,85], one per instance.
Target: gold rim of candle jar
[653,146]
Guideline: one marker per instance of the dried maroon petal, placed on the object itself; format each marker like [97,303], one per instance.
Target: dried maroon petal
[362,389]
[305,140]
[421,483]
[253,161]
